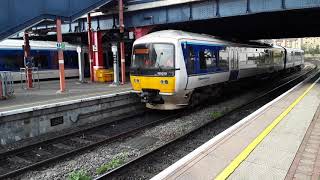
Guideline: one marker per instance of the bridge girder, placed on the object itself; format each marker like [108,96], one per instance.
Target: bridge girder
[246,19]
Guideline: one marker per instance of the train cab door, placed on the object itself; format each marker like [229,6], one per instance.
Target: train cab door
[234,64]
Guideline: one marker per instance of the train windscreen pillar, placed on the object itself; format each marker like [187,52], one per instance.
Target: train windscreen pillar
[114,49]
[60,55]
[1,88]
[97,53]
[90,47]
[122,47]
[27,61]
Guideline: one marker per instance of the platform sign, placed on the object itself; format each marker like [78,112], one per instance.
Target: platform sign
[114,48]
[94,48]
[61,46]
[78,49]
[131,35]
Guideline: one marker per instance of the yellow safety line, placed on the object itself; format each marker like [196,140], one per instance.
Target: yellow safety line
[245,153]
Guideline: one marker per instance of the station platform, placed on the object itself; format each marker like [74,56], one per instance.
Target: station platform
[47,93]
[42,113]
[281,140]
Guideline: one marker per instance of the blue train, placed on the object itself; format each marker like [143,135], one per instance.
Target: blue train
[44,55]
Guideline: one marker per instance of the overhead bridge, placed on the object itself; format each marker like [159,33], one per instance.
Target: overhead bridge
[248,19]
[17,15]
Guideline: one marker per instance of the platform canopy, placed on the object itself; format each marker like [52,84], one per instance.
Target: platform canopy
[17,15]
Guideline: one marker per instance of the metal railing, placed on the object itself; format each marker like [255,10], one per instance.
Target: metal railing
[24,77]
[6,84]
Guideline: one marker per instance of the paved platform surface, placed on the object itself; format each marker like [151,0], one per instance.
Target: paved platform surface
[306,164]
[47,93]
[290,151]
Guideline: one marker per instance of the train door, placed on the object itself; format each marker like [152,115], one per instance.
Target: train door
[86,65]
[234,64]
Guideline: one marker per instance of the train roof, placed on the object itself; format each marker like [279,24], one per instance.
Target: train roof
[14,44]
[294,49]
[180,35]
[177,34]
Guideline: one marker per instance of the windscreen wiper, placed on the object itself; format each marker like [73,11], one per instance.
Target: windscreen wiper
[158,65]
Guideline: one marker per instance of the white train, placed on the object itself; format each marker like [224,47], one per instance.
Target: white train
[172,69]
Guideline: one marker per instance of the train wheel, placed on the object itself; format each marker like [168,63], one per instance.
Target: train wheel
[195,99]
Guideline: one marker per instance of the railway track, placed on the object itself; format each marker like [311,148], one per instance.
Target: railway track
[17,161]
[153,162]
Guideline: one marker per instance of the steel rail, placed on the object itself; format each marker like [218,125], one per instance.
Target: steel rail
[110,139]
[117,171]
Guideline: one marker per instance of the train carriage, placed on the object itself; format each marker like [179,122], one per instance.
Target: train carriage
[44,55]
[171,69]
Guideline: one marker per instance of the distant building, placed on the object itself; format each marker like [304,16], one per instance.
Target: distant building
[309,44]
[289,43]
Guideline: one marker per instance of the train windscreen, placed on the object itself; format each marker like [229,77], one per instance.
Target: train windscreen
[154,58]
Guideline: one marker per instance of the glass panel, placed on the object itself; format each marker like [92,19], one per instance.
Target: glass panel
[191,57]
[202,60]
[41,62]
[223,60]
[153,56]
[210,58]
[11,60]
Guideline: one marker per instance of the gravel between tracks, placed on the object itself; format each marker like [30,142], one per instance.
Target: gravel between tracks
[134,146]
[138,144]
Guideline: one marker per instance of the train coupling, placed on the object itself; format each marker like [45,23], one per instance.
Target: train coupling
[151,96]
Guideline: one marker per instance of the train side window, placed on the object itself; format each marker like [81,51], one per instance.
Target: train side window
[191,60]
[202,60]
[252,56]
[262,57]
[41,61]
[223,60]
[210,58]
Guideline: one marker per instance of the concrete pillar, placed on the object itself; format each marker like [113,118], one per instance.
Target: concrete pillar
[90,53]
[114,49]
[123,63]
[97,53]
[60,56]
[27,60]
[80,64]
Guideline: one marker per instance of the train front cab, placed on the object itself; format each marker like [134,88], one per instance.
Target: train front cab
[153,74]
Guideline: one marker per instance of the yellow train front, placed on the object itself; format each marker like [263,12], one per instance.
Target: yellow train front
[153,74]
[152,89]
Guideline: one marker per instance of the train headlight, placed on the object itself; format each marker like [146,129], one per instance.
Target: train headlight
[136,80]
[164,82]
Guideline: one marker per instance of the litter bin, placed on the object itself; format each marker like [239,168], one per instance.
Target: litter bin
[100,75]
[104,75]
[108,76]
